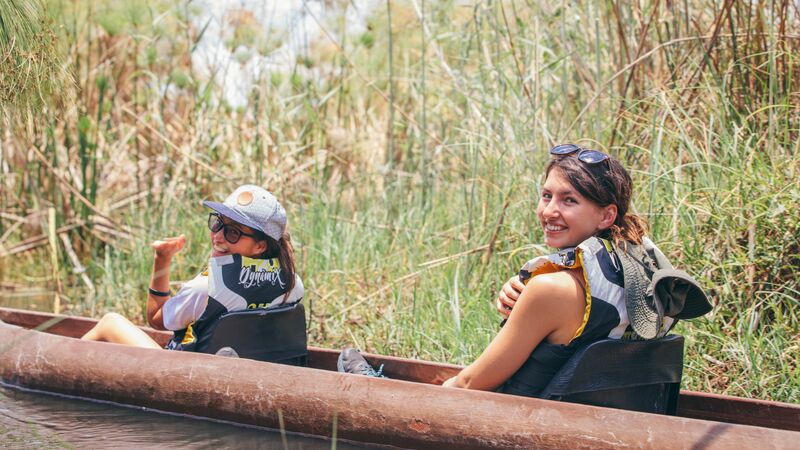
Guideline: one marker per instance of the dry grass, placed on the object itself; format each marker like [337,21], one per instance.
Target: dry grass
[410,213]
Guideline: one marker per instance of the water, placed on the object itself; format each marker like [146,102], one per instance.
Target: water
[32,420]
[32,300]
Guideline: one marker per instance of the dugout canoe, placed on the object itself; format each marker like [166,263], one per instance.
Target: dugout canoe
[403,412]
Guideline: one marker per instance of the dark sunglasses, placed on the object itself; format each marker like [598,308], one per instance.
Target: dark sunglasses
[584,155]
[231,233]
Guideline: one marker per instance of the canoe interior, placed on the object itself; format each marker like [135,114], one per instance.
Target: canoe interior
[695,405]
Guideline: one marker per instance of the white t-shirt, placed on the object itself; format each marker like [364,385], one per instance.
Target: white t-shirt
[187,305]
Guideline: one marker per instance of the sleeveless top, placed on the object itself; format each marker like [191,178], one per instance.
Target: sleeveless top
[605,315]
[231,283]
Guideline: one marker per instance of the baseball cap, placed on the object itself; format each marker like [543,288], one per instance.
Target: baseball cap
[255,207]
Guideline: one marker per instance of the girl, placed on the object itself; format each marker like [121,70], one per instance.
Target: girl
[251,266]
[567,299]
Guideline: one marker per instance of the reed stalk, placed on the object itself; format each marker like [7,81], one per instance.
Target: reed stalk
[409,159]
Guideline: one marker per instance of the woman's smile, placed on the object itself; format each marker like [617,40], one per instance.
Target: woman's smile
[553,228]
[218,250]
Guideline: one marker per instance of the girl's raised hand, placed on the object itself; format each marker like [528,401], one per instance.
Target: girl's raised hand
[167,247]
[508,295]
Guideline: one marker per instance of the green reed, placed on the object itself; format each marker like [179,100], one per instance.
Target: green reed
[411,176]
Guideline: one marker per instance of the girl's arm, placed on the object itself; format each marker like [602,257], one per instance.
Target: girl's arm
[159,280]
[550,307]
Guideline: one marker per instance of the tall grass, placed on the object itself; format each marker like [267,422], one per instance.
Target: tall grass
[411,175]
[29,59]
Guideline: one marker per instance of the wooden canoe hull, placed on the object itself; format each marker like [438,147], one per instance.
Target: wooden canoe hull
[314,401]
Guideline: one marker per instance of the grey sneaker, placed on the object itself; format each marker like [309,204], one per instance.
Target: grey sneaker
[227,352]
[351,361]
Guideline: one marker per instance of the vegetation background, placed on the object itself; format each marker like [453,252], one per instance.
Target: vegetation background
[409,156]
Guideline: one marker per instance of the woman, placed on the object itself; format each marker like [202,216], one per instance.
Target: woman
[565,300]
[251,266]
[585,196]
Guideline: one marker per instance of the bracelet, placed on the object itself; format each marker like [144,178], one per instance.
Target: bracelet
[158,293]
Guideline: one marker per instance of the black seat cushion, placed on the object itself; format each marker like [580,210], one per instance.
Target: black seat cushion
[273,335]
[636,375]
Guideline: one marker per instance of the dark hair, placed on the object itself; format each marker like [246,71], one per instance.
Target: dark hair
[284,251]
[604,184]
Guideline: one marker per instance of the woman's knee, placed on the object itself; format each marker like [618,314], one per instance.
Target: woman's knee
[104,327]
[112,319]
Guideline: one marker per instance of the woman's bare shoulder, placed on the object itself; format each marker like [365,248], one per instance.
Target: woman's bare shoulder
[557,300]
[556,290]
[553,280]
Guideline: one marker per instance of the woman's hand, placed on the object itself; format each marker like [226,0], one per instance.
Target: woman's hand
[509,294]
[167,247]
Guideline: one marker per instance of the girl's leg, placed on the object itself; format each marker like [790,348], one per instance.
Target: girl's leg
[119,330]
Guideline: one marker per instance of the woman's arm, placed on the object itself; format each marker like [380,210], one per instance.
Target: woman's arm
[159,280]
[550,307]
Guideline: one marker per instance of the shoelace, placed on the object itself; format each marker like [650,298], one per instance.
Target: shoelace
[369,371]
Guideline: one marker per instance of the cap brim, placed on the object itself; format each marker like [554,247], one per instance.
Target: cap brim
[679,288]
[232,214]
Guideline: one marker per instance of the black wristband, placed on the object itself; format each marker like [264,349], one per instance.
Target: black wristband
[158,293]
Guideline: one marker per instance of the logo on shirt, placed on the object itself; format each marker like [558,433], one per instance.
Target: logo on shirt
[256,272]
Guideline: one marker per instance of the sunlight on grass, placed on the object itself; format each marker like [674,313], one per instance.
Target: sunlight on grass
[409,216]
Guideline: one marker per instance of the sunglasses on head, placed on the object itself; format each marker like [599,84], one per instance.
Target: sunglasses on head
[584,155]
[231,233]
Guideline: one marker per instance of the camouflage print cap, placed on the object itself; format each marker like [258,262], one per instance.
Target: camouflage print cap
[255,207]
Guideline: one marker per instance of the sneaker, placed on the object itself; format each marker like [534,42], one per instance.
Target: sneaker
[351,361]
[227,352]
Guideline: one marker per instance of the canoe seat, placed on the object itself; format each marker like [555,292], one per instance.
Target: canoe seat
[635,375]
[273,335]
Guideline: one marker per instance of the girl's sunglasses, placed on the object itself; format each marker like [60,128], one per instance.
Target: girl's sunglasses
[231,233]
[584,155]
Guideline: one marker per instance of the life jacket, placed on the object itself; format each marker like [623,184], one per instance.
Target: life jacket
[237,283]
[603,278]
[605,314]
